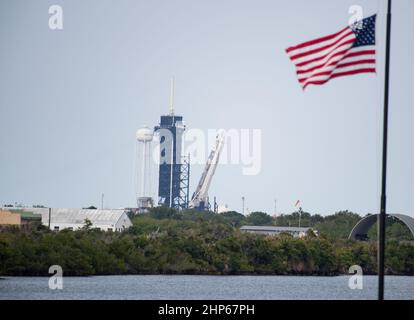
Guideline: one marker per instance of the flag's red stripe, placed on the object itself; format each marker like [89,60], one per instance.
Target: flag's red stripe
[330,52]
[355,63]
[358,53]
[341,74]
[304,63]
[344,65]
[304,54]
[339,65]
[329,63]
[316,41]
[349,73]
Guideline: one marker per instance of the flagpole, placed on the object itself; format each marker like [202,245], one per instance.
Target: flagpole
[383,213]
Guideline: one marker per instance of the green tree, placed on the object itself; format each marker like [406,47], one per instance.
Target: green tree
[259,219]
[87,224]
[234,218]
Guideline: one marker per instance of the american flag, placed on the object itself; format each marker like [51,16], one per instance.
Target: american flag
[348,52]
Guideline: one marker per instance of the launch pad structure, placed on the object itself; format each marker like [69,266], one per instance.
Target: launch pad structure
[174,167]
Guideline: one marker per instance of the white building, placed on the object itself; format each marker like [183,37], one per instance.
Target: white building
[274,231]
[73,219]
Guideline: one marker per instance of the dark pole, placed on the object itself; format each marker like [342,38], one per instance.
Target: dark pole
[383,213]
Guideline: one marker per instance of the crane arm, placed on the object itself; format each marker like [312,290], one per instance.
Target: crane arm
[201,193]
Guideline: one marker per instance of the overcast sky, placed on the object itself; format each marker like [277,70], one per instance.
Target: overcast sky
[71,101]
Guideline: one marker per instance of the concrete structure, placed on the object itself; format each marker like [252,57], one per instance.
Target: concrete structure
[28,212]
[19,217]
[9,219]
[360,231]
[274,231]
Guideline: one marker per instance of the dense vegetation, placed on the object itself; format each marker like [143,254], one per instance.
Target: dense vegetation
[168,242]
[339,225]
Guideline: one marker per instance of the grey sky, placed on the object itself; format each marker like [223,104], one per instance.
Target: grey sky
[72,100]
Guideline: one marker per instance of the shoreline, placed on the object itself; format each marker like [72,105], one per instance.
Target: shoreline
[3,277]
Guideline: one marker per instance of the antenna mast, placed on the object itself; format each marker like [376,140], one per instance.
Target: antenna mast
[172,97]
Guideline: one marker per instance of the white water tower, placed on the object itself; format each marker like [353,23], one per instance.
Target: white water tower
[144,137]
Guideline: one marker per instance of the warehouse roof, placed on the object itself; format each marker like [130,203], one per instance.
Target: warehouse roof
[78,216]
[273,229]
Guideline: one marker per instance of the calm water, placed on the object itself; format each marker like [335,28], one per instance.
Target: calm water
[203,287]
